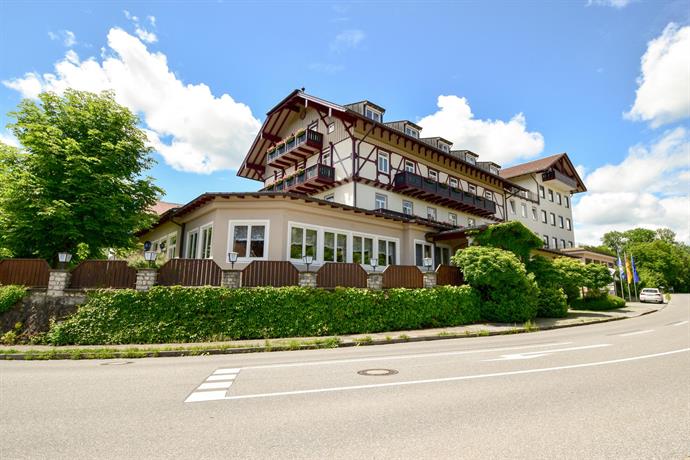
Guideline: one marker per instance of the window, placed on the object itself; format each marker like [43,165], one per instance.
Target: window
[566,201]
[453,182]
[488,195]
[570,244]
[386,252]
[330,197]
[523,209]
[192,244]
[554,240]
[567,224]
[534,214]
[409,166]
[444,147]
[430,213]
[560,221]
[326,158]
[331,127]
[550,195]
[541,191]
[453,218]
[546,241]
[383,160]
[493,169]
[372,114]
[380,201]
[472,188]
[407,207]
[248,241]
[563,244]
[470,222]
[172,245]
[206,237]
[512,206]
[303,242]
[471,160]
[334,247]
[442,255]
[421,251]
[411,132]
[553,219]
[558,198]
[543,216]
[362,249]
[433,174]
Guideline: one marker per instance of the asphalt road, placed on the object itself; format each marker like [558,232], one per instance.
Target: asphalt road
[615,390]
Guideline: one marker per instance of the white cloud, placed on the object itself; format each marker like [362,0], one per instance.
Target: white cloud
[612,3]
[191,128]
[152,20]
[347,39]
[494,140]
[67,36]
[145,35]
[663,93]
[649,188]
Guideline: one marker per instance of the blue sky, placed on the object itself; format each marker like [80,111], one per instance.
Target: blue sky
[537,78]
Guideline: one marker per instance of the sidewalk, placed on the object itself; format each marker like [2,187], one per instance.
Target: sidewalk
[574,318]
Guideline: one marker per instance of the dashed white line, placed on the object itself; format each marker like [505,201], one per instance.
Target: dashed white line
[226,371]
[219,382]
[538,354]
[198,396]
[222,377]
[680,323]
[647,331]
[214,385]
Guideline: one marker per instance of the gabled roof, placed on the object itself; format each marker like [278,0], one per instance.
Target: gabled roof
[162,206]
[559,161]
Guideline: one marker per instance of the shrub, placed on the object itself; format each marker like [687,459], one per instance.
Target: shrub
[508,293]
[599,303]
[181,314]
[510,236]
[552,302]
[10,295]
[572,276]
[597,277]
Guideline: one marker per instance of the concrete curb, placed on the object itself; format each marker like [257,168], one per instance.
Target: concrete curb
[135,353]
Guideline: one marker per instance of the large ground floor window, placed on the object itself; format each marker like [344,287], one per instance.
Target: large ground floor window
[249,239]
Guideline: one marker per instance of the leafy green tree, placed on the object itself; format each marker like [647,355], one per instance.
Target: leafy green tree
[78,178]
[596,278]
[666,234]
[510,236]
[572,274]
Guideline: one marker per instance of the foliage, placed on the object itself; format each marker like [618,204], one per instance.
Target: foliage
[508,293]
[607,302]
[181,314]
[572,276]
[596,277]
[510,236]
[552,303]
[78,177]
[10,295]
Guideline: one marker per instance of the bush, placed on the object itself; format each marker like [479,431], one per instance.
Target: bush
[597,277]
[10,295]
[508,293]
[552,303]
[572,275]
[180,314]
[510,236]
[599,303]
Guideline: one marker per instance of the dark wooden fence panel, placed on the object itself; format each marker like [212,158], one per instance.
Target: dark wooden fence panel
[402,276]
[190,272]
[103,274]
[449,275]
[25,272]
[334,274]
[270,273]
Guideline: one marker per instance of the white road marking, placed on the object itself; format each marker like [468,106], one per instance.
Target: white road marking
[198,396]
[454,379]
[647,331]
[681,323]
[538,354]
[214,385]
[220,381]
[226,371]
[221,377]
[419,355]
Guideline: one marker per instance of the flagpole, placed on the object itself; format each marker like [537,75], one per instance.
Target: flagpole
[620,273]
[632,263]
[625,258]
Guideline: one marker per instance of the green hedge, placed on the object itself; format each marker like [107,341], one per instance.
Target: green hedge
[600,303]
[179,314]
[10,295]
[552,303]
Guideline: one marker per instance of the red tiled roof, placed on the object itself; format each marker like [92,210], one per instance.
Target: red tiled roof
[162,206]
[531,166]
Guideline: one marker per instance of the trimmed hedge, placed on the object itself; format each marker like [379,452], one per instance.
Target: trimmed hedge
[10,295]
[599,303]
[182,314]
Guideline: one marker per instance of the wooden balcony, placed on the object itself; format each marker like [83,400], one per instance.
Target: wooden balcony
[313,179]
[553,174]
[295,149]
[430,190]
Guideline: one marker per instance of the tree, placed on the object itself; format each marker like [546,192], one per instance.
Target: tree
[666,234]
[572,274]
[510,236]
[596,278]
[78,179]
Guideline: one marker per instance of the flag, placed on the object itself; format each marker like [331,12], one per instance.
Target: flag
[628,270]
[620,266]
[636,278]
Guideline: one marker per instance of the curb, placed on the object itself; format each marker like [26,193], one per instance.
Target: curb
[137,354]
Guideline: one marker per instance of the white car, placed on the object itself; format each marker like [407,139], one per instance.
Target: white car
[651,295]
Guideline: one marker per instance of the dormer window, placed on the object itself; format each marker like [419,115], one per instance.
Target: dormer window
[372,114]
[444,147]
[493,169]
[471,160]
[411,132]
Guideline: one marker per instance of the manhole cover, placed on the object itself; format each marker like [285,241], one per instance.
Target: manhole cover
[377,372]
[116,363]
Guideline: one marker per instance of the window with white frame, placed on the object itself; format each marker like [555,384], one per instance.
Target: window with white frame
[407,207]
[546,241]
[534,214]
[362,249]
[380,201]
[512,206]
[411,132]
[541,191]
[560,221]
[493,169]
[563,244]
[488,195]
[326,158]
[471,160]
[472,188]
[453,218]
[570,244]
[430,213]
[433,174]
[566,201]
[248,240]
[558,198]
[331,127]
[550,195]
[453,182]
[554,241]
[383,162]
[192,244]
[568,224]
[442,255]
[543,216]
[206,239]
[386,252]
[553,219]
[409,166]
[470,222]
[334,247]
[444,147]
[421,251]
[303,242]
[372,114]
[523,209]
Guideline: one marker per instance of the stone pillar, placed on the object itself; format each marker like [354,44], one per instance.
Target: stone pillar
[307,279]
[146,278]
[375,281]
[58,281]
[231,279]
[429,279]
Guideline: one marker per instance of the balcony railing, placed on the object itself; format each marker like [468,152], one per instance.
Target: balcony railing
[295,149]
[310,180]
[431,190]
[553,174]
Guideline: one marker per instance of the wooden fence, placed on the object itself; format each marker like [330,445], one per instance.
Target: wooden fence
[270,273]
[334,274]
[114,274]
[402,276]
[449,275]
[190,272]
[25,272]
